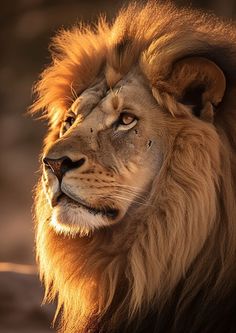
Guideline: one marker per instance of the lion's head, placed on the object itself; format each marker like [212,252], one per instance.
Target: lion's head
[106,156]
[135,211]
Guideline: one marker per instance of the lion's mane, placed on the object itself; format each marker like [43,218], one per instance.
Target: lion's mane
[149,274]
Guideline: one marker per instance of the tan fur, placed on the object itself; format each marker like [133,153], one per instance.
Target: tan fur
[188,229]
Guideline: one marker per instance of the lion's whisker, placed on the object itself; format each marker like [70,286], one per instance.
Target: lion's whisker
[73,91]
[132,201]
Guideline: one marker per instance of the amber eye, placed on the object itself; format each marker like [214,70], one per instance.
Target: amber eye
[126,121]
[67,123]
[126,118]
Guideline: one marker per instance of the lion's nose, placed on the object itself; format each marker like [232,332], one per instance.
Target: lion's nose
[61,165]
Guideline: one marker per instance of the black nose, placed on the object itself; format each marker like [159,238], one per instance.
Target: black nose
[61,165]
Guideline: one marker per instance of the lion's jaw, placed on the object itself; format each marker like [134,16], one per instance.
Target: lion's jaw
[120,162]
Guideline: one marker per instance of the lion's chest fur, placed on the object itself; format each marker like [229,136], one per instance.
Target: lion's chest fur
[217,316]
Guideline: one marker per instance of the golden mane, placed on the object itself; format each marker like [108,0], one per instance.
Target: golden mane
[99,283]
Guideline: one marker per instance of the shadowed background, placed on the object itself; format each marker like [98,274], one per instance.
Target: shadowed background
[26,27]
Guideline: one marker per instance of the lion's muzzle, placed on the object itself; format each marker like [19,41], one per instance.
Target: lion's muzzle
[61,165]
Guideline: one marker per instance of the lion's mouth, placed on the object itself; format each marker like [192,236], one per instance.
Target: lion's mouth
[106,211]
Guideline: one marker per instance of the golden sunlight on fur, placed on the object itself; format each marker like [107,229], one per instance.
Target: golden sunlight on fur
[135,212]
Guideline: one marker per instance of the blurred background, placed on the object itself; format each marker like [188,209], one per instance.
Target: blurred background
[26,27]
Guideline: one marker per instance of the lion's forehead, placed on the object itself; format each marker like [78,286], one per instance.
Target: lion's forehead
[106,99]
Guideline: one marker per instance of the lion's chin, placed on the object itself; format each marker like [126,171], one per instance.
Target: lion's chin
[73,219]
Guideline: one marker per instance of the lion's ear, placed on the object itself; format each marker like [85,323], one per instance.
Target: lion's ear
[197,82]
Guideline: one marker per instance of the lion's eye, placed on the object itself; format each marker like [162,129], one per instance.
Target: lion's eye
[68,122]
[126,118]
[126,121]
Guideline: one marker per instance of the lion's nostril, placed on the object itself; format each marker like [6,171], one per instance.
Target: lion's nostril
[61,165]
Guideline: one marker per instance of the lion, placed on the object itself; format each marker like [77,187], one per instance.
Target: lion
[135,211]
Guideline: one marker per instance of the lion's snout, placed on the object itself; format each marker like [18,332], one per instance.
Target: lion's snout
[59,166]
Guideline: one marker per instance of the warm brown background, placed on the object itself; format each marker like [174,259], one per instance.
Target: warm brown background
[26,27]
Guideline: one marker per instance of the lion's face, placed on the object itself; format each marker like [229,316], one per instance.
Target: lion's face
[102,164]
